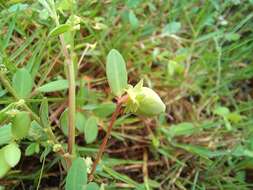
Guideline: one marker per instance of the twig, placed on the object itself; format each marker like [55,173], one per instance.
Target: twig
[145,169]
[72,90]
[120,101]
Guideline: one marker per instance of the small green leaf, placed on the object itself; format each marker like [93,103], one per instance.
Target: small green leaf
[12,154]
[60,29]
[81,94]
[36,132]
[171,68]
[44,14]
[235,117]
[22,82]
[104,110]
[240,151]
[4,166]
[171,28]
[18,7]
[174,68]
[116,72]
[133,20]
[64,122]
[91,130]
[77,175]
[133,3]
[20,125]
[5,134]
[181,129]
[221,111]
[92,186]
[32,149]
[227,124]
[232,36]
[3,116]
[80,122]
[64,5]
[54,86]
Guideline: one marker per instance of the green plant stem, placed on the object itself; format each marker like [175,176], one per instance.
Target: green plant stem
[71,96]
[120,101]
[72,109]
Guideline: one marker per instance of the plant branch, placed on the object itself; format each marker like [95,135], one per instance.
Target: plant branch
[120,101]
[4,80]
[72,91]
[72,98]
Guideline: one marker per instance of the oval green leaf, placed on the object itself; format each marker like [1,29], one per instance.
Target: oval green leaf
[5,134]
[133,20]
[171,28]
[31,149]
[77,175]
[12,154]
[22,83]
[80,121]
[221,111]
[181,129]
[4,166]
[105,109]
[91,130]
[60,30]
[54,86]
[116,72]
[20,125]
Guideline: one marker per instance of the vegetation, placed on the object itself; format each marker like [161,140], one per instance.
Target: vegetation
[133,94]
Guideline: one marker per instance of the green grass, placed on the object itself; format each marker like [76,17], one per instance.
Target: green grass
[212,44]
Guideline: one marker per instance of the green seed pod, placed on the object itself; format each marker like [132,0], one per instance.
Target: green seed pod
[4,166]
[144,101]
[21,124]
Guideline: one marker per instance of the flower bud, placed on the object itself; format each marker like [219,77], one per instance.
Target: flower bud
[144,101]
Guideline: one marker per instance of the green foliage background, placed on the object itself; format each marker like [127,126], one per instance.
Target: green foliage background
[197,55]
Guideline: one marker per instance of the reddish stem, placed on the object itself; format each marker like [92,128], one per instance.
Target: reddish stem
[115,114]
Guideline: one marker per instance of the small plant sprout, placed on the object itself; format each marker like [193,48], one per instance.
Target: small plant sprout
[137,100]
